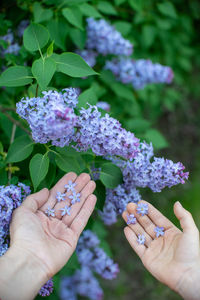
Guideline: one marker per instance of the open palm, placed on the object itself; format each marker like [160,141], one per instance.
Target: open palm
[52,240]
[170,257]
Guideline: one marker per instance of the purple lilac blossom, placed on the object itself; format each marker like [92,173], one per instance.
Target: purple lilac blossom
[47,288]
[105,39]
[95,172]
[12,47]
[89,56]
[70,186]
[116,202]
[75,197]
[103,105]
[22,26]
[94,257]
[159,231]
[50,212]
[131,219]
[140,72]
[104,135]
[60,196]
[141,239]
[82,283]
[50,116]
[65,210]
[142,208]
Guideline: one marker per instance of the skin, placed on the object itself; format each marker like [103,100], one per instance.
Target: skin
[42,245]
[174,259]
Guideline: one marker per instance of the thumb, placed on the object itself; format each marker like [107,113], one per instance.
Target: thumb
[185,218]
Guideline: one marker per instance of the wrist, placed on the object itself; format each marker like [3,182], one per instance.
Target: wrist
[189,287]
[21,275]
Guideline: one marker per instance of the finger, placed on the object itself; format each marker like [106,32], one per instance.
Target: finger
[59,186]
[157,217]
[186,220]
[144,221]
[138,229]
[34,201]
[82,218]
[75,208]
[132,239]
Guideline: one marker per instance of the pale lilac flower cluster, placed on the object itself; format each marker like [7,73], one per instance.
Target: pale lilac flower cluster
[91,255]
[105,39]
[103,105]
[22,26]
[89,56]
[82,283]
[47,288]
[139,72]
[116,202]
[51,117]
[104,135]
[12,47]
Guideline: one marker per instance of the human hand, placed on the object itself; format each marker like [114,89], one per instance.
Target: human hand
[174,259]
[41,245]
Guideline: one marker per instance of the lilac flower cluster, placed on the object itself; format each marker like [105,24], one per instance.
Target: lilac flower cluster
[104,135]
[116,202]
[11,197]
[89,56]
[139,72]
[81,283]
[21,27]
[92,258]
[12,47]
[51,117]
[105,39]
[103,105]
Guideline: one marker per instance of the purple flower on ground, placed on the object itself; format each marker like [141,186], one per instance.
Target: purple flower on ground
[159,231]
[75,197]
[60,196]
[141,239]
[65,210]
[50,212]
[47,288]
[70,186]
[142,208]
[131,219]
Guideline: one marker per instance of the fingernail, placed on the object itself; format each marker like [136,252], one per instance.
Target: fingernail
[178,203]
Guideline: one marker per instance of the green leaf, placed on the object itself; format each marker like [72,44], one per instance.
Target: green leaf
[38,167]
[68,161]
[35,37]
[90,11]
[20,149]
[148,35]
[15,76]
[78,37]
[157,139]
[88,96]
[119,2]
[111,175]
[73,65]
[123,27]
[107,8]
[167,9]
[50,177]
[41,14]
[136,4]
[43,70]
[122,91]
[58,30]
[50,49]
[1,147]
[100,193]
[74,16]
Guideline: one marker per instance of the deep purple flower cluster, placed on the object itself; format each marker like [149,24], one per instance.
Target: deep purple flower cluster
[12,46]
[81,283]
[105,39]
[139,72]
[104,135]
[89,56]
[51,117]
[116,202]
[94,257]
[47,288]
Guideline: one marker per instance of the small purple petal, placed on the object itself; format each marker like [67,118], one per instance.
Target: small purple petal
[142,208]
[141,239]
[50,212]
[131,219]
[159,231]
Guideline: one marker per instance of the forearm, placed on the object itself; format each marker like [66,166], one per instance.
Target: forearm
[189,287]
[21,277]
